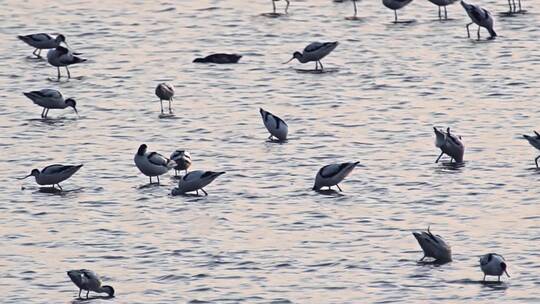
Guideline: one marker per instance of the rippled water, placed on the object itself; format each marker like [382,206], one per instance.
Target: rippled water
[262,236]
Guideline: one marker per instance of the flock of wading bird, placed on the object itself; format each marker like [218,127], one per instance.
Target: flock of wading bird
[153,164]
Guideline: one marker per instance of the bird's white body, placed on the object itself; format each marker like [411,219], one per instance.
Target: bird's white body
[182,159]
[433,246]
[332,175]
[493,264]
[62,57]
[275,125]
[481,17]
[449,144]
[152,163]
[165,91]
[195,180]
[88,280]
[53,174]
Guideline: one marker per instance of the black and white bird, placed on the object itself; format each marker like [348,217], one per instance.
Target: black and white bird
[535,142]
[275,125]
[274,6]
[515,9]
[332,175]
[182,159]
[220,58]
[88,280]
[50,99]
[42,41]
[315,51]
[63,57]
[481,17]
[433,246]
[152,163]
[165,91]
[449,144]
[195,181]
[493,264]
[444,4]
[54,174]
[395,5]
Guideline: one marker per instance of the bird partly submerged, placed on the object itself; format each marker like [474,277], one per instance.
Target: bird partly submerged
[315,51]
[88,280]
[433,246]
[481,17]
[275,125]
[332,175]
[50,99]
[195,181]
[42,41]
[449,144]
[220,58]
[54,174]
[493,264]
[535,142]
[63,57]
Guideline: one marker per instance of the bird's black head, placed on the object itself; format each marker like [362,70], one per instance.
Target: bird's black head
[61,38]
[199,60]
[71,102]
[142,149]
[109,290]
[297,55]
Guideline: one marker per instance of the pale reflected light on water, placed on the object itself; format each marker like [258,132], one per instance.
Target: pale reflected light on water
[262,235]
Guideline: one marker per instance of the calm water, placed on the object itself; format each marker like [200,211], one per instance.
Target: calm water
[262,236]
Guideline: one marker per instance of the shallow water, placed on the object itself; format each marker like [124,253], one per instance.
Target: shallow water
[262,236]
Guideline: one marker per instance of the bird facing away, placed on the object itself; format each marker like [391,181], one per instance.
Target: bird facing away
[42,41]
[449,144]
[275,125]
[433,246]
[195,181]
[61,56]
[152,163]
[535,142]
[53,174]
[182,159]
[50,99]
[88,280]
[274,6]
[494,265]
[481,17]
[395,5]
[219,58]
[314,52]
[165,91]
[332,175]
[444,4]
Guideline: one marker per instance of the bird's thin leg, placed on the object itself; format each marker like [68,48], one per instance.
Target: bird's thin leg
[175,172]
[150,179]
[157,179]
[206,194]
[484,278]
[478,33]
[58,68]
[197,191]
[395,16]
[468,33]
[320,63]
[422,258]
[316,65]
[34,52]
[170,100]
[161,103]
[498,278]
[440,17]
[46,113]
[536,160]
[87,293]
[60,187]
[274,5]
[339,188]
[437,160]
[355,10]
[445,13]
[451,159]
[287,7]
[520,10]
[39,53]
[270,137]
[43,113]
[510,5]
[69,75]
[80,293]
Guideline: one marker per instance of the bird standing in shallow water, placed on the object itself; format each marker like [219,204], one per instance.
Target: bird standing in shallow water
[220,58]
[274,6]
[332,175]
[53,174]
[433,246]
[182,159]
[61,56]
[443,3]
[535,142]
[395,5]
[50,99]
[88,280]
[494,265]
[481,17]
[314,52]
[165,91]
[195,181]
[42,41]
[152,163]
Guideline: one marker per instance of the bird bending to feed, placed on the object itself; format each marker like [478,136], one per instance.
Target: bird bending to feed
[395,5]
[494,265]
[433,246]
[481,17]
[182,159]
[535,142]
[53,174]
[50,99]
[332,175]
[315,51]
[274,6]
[449,144]
[275,125]
[442,3]
[165,91]
[219,58]
[152,163]
[42,41]
[195,181]
[88,280]
[61,56]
